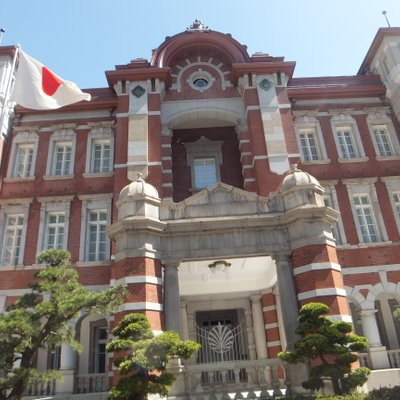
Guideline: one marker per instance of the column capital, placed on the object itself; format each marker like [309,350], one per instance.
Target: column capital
[255,298]
[170,263]
[281,257]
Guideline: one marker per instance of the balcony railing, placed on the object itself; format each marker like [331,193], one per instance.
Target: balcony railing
[259,377]
[91,383]
[41,388]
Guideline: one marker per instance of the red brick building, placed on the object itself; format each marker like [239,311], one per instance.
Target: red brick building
[225,194]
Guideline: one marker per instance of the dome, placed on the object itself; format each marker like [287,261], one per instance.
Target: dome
[139,188]
[296,178]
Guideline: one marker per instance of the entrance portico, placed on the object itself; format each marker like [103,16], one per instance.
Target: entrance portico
[276,244]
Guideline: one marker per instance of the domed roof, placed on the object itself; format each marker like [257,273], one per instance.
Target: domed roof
[296,178]
[139,188]
[197,38]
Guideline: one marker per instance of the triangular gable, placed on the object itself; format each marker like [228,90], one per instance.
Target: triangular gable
[220,200]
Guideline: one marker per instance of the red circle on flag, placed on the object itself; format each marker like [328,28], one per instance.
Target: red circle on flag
[50,82]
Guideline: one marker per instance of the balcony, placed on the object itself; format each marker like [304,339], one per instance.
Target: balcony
[236,378]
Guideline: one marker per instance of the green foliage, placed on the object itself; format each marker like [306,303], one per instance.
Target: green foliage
[330,344]
[40,320]
[376,394]
[384,394]
[143,358]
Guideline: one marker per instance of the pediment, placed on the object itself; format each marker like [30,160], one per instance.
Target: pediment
[220,200]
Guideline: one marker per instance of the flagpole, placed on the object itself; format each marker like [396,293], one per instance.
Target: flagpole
[7,93]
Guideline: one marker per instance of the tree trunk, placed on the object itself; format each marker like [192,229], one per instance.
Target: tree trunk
[336,386]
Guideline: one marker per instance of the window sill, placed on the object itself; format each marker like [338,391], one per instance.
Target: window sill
[57,177]
[366,245]
[97,174]
[312,162]
[352,160]
[83,264]
[14,180]
[387,158]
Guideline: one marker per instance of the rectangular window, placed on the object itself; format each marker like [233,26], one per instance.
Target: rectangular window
[365,219]
[308,145]
[101,156]
[100,353]
[23,161]
[396,199]
[97,237]
[62,158]
[335,231]
[382,140]
[12,239]
[55,227]
[347,148]
[205,173]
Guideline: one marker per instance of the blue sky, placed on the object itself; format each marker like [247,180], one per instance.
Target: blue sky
[80,39]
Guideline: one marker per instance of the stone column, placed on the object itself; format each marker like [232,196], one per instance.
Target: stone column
[258,326]
[296,373]
[377,351]
[184,322]
[288,293]
[172,309]
[67,368]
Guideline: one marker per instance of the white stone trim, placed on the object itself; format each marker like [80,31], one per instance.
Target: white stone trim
[274,343]
[269,308]
[271,325]
[141,306]
[369,269]
[345,318]
[316,267]
[321,293]
[136,279]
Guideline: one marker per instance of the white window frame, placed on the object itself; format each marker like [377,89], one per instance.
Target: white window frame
[311,125]
[345,122]
[53,205]
[204,149]
[28,138]
[381,120]
[21,208]
[61,136]
[201,172]
[99,134]
[366,187]
[101,202]
[331,200]
[393,187]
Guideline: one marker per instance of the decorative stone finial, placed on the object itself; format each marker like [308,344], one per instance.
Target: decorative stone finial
[197,26]
[293,168]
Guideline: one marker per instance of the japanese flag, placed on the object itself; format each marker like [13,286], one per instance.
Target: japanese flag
[38,88]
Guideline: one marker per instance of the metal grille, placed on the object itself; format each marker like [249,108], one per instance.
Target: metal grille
[221,343]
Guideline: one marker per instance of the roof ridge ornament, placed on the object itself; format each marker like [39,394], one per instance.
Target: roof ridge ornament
[197,26]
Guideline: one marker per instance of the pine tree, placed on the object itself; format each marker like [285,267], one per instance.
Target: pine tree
[142,358]
[39,320]
[330,346]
